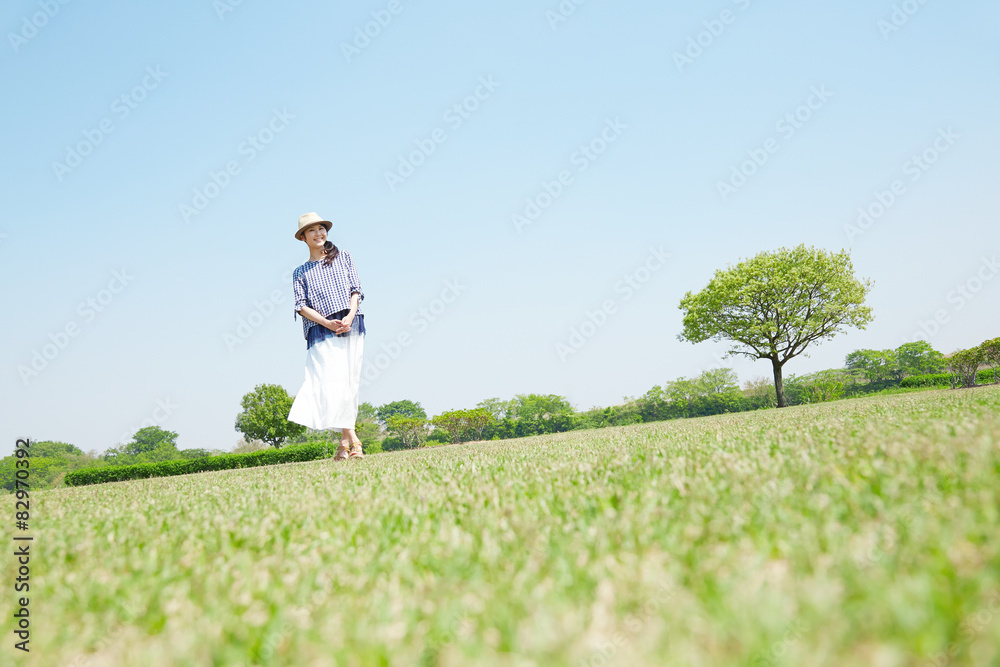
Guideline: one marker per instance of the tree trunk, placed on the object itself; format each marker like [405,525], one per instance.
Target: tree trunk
[779,388]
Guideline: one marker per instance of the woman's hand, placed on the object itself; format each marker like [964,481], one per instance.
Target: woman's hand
[337,326]
[344,325]
[340,326]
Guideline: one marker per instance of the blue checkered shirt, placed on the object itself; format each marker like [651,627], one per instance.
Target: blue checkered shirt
[326,289]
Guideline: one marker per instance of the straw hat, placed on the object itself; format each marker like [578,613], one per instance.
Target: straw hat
[309,219]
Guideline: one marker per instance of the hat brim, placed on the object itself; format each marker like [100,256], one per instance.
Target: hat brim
[325,223]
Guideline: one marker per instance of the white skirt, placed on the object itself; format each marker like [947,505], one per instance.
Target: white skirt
[328,398]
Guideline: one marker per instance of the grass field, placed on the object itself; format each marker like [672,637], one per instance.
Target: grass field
[861,532]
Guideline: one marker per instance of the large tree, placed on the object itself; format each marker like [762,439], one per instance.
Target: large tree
[874,365]
[964,366]
[540,406]
[412,431]
[406,408]
[918,358]
[717,381]
[367,412]
[54,449]
[990,351]
[774,305]
[499,409]
[149,439]
[265,415]
[462,425]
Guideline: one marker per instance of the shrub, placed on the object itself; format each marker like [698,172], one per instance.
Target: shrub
[373,446]
[929,380]
[460,425]
[196,453]
[393,444]
[919,358]
[265,415]
[184,467]
[818,387]
[412,431]
[964,366]
[990,351]
[245,447]
[439,436]
[758,393]
[984,376]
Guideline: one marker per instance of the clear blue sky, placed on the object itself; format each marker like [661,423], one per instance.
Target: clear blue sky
[118,114]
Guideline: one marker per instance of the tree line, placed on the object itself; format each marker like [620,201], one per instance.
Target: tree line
[772,306]
[51,460]
[404,424]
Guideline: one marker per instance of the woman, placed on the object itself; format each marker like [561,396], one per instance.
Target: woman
[328,295]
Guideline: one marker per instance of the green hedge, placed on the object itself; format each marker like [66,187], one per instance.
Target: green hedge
[943,379]
[932,380]
[267,457]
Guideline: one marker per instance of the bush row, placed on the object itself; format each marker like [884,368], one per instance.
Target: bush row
[267,457]
[943,379]
[929,380]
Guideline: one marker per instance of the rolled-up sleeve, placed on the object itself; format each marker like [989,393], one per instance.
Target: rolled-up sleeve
[299,290]
[353,279]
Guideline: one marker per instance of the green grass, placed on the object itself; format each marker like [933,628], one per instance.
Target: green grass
[860,532]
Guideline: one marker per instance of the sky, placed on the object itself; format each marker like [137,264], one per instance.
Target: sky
[528,189]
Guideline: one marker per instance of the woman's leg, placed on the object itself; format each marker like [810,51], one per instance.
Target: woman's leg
[355,355]
[344,449]
[355,445]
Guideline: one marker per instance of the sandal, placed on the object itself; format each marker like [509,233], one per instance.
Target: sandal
[356,452]
[342,453]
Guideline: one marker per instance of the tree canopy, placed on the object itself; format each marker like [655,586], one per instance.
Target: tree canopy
[990,350]
[539,406]
[412,431]
[50,459]
[462,425]
[265,415]
[874,365]
[916,358]
[407,409]
[774,305]
[54,449]
[149,439]
[964,365]
[919,358]
[367,412]
[497,407]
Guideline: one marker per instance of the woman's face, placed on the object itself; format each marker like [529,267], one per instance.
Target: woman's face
[315,236]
